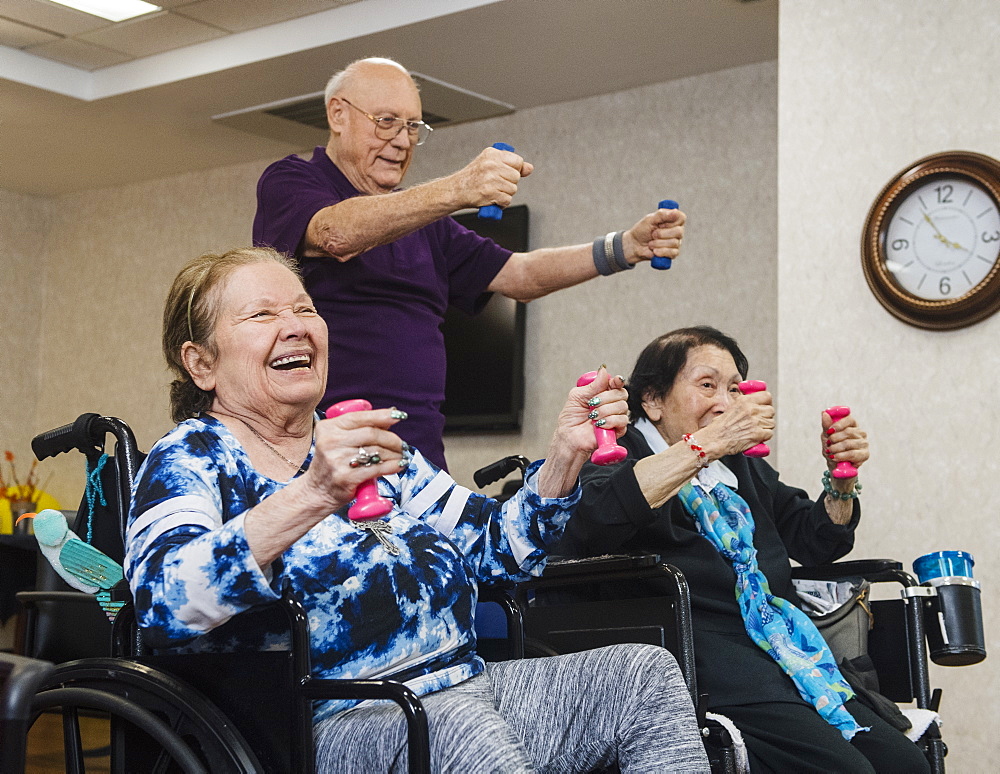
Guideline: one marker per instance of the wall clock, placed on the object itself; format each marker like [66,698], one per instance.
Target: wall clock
[930,247]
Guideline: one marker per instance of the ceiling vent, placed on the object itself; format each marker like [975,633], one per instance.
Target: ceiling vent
[301,120]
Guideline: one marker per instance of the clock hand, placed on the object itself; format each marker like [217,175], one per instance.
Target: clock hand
[933,226]
[941,237]
[948,242]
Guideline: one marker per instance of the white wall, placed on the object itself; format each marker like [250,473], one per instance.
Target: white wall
[864,90]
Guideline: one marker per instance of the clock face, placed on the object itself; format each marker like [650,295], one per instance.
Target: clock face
[930,246]
[943,238]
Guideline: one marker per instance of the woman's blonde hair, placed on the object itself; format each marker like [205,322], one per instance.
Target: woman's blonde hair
[191,312]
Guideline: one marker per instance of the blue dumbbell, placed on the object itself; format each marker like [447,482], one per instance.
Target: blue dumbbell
[492,211]
[662,262]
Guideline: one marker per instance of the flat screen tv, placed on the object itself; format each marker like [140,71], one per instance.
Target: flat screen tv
[484,391]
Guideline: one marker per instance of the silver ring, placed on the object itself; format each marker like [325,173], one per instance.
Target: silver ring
[361,458]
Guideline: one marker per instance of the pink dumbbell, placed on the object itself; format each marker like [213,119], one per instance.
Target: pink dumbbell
[367,502]
[747,387]
[843,469]
[608,451]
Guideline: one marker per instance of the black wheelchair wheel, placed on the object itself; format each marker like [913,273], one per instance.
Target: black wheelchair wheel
[158,723]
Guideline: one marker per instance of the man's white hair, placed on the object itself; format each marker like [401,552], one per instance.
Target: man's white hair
[340,81]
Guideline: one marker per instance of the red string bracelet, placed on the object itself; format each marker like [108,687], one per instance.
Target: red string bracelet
[703,460]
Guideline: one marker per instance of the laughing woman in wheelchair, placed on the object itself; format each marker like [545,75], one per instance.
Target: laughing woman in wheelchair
[251,491]
[687,493]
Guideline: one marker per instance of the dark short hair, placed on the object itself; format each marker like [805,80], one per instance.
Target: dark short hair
[191,312]
[664,357]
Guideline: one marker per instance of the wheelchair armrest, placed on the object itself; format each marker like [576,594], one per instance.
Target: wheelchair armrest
[416,716]
[592,568]
[318,688]
[874,570]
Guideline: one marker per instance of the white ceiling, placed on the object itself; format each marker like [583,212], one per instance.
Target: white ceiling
[85,103]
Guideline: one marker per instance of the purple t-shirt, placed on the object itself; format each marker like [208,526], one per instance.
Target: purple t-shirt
[384,307]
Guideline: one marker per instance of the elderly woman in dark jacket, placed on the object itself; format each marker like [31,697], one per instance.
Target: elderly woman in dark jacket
[687,492]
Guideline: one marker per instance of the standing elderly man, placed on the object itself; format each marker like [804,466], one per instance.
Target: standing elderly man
[383,263]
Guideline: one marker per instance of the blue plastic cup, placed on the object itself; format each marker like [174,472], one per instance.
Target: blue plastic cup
[943,564]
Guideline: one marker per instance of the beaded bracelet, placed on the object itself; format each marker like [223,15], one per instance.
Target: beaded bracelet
[703,461]
[831,492]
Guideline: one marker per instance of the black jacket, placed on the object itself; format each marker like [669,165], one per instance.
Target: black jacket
[614,517]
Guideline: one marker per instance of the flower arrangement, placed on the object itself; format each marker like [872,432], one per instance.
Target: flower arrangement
[16,491]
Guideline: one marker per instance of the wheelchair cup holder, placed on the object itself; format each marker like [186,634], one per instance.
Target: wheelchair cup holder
[953,612]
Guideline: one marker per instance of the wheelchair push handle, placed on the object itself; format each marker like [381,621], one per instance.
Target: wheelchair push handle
[608,451]
[843,469]
[500,469]
[368,504]
[748,387]
[492,211]
[75,435]
[661,261]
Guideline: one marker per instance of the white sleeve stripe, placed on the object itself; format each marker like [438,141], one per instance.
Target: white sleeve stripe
[187,503]
[453,509]
[429,495]
[520,547]
[137,548]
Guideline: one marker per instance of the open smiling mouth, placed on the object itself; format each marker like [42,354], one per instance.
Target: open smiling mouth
[291,362]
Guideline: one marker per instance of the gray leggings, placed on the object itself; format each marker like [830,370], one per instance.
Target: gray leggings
[624,705]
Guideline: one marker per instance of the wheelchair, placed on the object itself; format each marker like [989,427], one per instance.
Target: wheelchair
[220,713]
[20,679]
[580,604]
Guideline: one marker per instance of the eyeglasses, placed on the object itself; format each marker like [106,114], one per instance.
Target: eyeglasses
[387,127]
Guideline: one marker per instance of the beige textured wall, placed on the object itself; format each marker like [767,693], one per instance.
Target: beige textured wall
[600,164]
[110,257]
[709,142]
[24,224]
[866,89]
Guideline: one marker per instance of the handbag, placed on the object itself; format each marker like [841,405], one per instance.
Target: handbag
[841,612]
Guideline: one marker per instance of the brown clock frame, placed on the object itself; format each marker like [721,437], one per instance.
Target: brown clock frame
[978,302]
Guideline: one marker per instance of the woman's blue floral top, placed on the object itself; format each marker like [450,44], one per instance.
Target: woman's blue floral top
[372,614]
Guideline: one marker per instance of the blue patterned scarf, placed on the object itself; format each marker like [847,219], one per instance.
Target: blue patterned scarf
[777,626]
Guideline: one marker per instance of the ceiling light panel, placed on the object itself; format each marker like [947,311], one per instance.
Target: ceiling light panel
[112,10]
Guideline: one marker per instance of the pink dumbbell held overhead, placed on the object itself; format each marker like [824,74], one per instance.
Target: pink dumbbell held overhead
[747,387]
[367,502]
[608,451]
[843,469]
